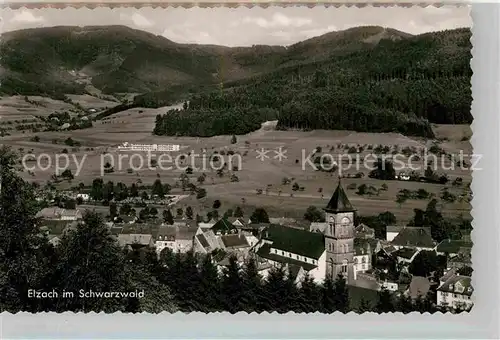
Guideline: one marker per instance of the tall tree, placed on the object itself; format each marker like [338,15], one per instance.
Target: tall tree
[328,290]
[385,304]
[238,212]
[210,299]
[341,299]
[26,261]
[310,295]
[259,216]
[364,306]
[252,287]
[89,260]
[232,286]
[168,217]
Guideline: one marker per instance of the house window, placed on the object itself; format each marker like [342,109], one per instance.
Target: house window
[364,266]
[297,257]
[355,260]
[363,260]
[283,253]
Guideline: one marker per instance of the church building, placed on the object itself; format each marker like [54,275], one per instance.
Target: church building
[328,249]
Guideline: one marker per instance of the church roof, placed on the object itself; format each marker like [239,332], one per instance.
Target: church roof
[339,202]
[296,241]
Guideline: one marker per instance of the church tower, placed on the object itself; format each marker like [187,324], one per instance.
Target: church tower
[339,235]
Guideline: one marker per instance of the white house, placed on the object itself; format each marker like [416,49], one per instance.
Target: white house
[362,256]
[84,197]
[176,238]
[403,176]
[455,293]
[390,286]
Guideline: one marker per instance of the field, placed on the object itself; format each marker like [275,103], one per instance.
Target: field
[135,126]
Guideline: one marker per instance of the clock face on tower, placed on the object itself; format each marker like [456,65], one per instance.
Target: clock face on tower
[346,220]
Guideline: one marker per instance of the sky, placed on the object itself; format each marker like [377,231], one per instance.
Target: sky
[244,26]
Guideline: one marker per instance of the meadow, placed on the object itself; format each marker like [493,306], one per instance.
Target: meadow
[254,176]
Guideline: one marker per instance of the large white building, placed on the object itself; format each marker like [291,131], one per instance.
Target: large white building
[148,147]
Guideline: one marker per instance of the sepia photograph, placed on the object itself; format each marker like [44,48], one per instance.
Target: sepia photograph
[236,160]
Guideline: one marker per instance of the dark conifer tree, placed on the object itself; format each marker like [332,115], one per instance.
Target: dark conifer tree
[328,289]
[364,306]
[251,299]
[385,302]
[341,299]
[310,295]
[26,257]
[210,293]
[232,286]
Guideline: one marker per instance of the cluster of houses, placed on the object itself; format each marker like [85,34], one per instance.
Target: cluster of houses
[334,247]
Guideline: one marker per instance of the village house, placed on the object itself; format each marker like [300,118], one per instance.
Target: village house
[54,240]
[126,219]
[57,227]
[206,242]
[390,286]
[135,240]
[207,225]
[405,255]
[318,227]
[392,231]
[363,252]
[223,227]
[286,221]
[455,292]
[363,231]
[414,237]
[59,214]
[176,238]
[453,248]
[237,222]
[460,261]
[235,242]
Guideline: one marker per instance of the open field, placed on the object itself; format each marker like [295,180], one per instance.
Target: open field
[136,125]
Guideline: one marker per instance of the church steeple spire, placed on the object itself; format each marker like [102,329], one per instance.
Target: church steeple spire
[339,201]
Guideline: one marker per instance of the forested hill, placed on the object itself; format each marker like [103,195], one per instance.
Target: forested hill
[396,85]
[117,59]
